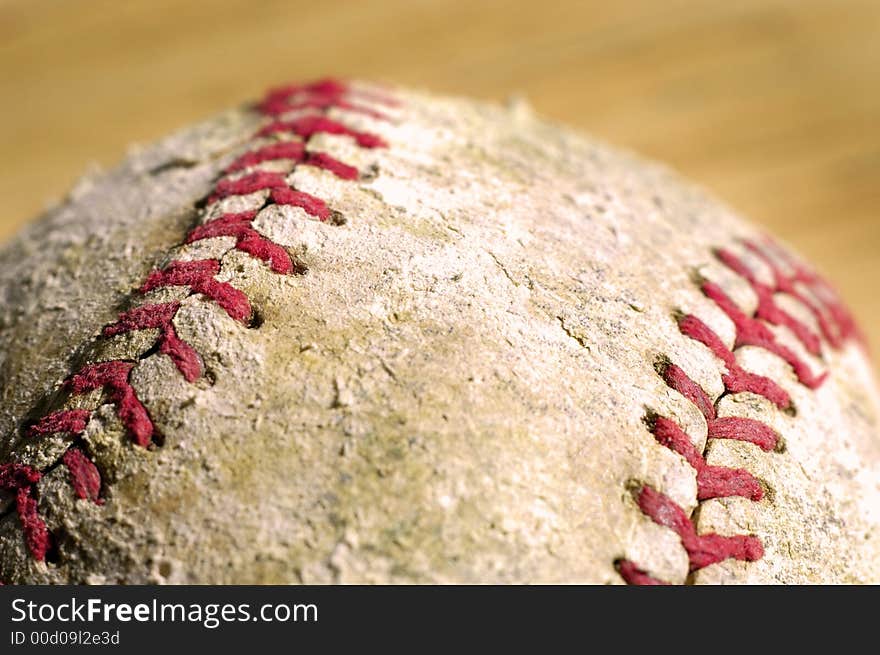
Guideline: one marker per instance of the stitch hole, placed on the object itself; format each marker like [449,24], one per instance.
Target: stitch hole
[299,266]
[256,320]
[370,173]
[53,554]
[769,492]
[336,218]
[781,447]
[158,439]
[210,378]
[661,365]
[698,278]
[634,488]
[650,419]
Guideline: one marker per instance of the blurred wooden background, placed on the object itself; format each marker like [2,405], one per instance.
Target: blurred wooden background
[772,104]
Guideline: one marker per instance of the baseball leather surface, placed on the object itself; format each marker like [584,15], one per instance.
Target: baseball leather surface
[363,334]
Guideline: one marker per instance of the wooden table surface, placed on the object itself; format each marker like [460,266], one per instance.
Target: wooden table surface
[772,104]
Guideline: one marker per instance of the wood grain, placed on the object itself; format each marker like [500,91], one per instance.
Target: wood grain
[772,104]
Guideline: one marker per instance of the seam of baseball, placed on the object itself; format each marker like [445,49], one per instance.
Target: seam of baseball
[836,326]
[288,141]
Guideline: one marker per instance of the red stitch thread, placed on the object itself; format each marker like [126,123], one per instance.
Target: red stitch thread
[15,476]
[199,277]
[751,332]
[281,96]
[768,309]
[247,239]
[279,102]
[293,150]
[68,420]
[677,379]
[296,152]
[325,87]
[307,126]
[736,380]
[328,163]
[835,322]
[728,427]
[712,481]
[250,183]
[633,575]
[160,316]
[744,429]
[322,102]
[280,192]
[311,204]
[702,550]
[21,479]
[84,475]
[36,534]
[112,377]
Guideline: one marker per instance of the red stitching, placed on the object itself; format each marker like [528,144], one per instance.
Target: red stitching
[768,310]
[247,239]
[296,152]
[84,476]
[312,205]
[702,550]
[677,379]
[251,183]
[293,150]
[36,533]
[835,321]
[146,317]
[112,377]
[712,481]
[324,101]
[21,479]
[720,481]
[328,163]
[307,126]
[736,380]
[752,332]
[71,420]
[633,575]
[279,100]
[279,192]
[729,427]
[744,429]
[199,278]
[14,476]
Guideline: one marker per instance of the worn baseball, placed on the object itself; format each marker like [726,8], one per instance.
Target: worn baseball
[361,334]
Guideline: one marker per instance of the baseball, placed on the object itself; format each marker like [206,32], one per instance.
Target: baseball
[356,333]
